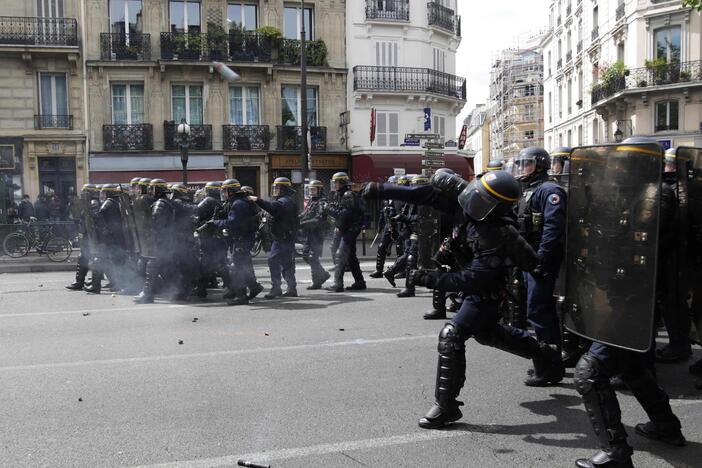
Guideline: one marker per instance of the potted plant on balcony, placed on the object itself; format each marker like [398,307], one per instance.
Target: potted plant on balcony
[189,46]
[316,53]
[657,67]
[216,41]
[270,39]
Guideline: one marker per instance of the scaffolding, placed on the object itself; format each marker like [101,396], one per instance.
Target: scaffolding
[516,95]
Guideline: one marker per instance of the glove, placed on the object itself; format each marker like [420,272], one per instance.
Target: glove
[370,191]
[417,278]
[539,272]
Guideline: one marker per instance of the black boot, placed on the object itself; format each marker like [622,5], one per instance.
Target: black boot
[273,293]
[81,272]
[390,276]
[337,288]
[450,377]
[290,292]
[255,290]
[95,284]
[615,456]
[317,283]
[357,286]
[438,302]
[406,292]
[548,367]
[379,264]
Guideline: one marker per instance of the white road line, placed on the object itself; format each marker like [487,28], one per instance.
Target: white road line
[234,352]
[312,450]
[90,311]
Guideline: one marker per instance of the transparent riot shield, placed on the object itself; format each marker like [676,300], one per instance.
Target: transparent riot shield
[144,226]
[131,236]
[612,243]
[87,219]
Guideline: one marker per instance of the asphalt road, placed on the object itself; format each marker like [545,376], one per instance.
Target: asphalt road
[324,380]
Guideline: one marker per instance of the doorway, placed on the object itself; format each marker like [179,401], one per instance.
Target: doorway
[57,177]
[247,176]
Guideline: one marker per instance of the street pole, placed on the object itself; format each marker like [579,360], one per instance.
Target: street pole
[183,130]
[303,92]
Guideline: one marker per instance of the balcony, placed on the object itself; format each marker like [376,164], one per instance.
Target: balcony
[408,79]
[122,47]
[124,137]
[442,17]
[569,56]
[290,138]
[246,137]
[595,33]
[48,121]
[43,32]
[569,10]
[289,52]
[245,46]
[559,20]
[648,77]
[193,46]
[387,10]
[620,11]
[200,137]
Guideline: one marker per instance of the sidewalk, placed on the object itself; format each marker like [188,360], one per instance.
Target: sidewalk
[34,263]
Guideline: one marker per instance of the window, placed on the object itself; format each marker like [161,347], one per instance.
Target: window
[439,60]
[550,107]
[570,138]
[50,8]
[570,96]
[550,142]
[580,88]
[440,126]
[620,52]
[290,96]
[187,103]
[560,49]
[242,16]
[667,43]
[667,115]
[529,135]
[244,105]
[549,63]
[127,104]
[560,139]
[569,41]
[386,54]
[125,17]
[387,128]
[560,101]
[529,112]
[580,135]
[292,21]
[595,132]
[595,18]
[185,16]
[53,98]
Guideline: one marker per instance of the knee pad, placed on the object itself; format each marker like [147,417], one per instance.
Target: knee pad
[587,371]
[450,339]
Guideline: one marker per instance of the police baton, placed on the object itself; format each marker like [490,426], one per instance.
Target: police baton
[375,239]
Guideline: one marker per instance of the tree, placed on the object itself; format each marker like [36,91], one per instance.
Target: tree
[696,4]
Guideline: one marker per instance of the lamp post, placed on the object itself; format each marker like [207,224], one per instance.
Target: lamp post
[303,93]
[184,132]
[618,135]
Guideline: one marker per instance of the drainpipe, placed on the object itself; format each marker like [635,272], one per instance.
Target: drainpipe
[87,124]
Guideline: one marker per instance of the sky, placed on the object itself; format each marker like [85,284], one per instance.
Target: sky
[487,27]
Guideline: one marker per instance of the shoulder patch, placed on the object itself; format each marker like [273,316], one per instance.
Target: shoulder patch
[554,199]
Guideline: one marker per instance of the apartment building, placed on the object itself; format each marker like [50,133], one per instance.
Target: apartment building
[616,68]
[402,65]
[477,139]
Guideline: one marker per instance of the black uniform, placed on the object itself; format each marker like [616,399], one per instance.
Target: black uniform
[110,255]
[348,216]
[314,223]
[212,248]
[281,259]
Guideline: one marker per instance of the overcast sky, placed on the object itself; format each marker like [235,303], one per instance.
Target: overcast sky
[487,27]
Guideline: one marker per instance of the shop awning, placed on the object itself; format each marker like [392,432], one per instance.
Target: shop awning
[378,167]
[122,167]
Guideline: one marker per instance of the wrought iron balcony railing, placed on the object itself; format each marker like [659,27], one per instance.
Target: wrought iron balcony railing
[115,46]
[646,77]
[408,79]
[194,46]
[439,15]
[124,137]
[620,11]
[595,33]
[18,30]
[559,64]
[245,46]
[289,52]
[289,138]
[44,121]
[558,20]
[390,10]
[200,136]
[246,137]
[569,10]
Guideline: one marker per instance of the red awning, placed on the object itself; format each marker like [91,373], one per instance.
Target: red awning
[378,167]
[195,176]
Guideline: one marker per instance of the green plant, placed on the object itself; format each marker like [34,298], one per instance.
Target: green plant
[615,71]
[270,32]
[685,75]
[216,39]
[655,63]
[316,53]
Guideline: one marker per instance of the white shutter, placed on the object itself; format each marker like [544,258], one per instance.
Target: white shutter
[393,129]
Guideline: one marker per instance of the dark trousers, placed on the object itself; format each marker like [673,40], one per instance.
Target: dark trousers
[541,307]
[387,241]
[311,252]
[242,273]
[346,256]
[281,263]
[480,318]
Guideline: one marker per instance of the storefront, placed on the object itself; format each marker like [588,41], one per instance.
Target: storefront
[378,167]
[322,167]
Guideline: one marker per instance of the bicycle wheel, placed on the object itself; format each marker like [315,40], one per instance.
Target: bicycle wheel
[58,249]
[15,245]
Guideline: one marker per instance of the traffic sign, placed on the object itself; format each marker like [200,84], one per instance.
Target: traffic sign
[412,141]
[431,145]
[423,136]
[433,162]
[434,154]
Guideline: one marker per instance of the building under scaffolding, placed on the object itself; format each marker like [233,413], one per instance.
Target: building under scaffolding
[516,92]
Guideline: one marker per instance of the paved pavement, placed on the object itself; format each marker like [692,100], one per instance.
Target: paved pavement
[333,380]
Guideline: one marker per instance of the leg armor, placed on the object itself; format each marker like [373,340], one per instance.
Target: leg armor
[409,290]
[604,412]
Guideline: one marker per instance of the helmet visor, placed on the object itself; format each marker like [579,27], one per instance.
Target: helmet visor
[276,190]
[556,166]
[524,167]
[474,203]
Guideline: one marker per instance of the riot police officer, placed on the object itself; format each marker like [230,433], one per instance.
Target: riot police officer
[183,240]
[144,186]
[162,217]
[492,242]
[386,225]
[281,259]
[212,248]
[541,215]
[134,189]
[89,207]
[111,253]
[560,158]
[495,165]
[314,223]
[240,224]
[347,212]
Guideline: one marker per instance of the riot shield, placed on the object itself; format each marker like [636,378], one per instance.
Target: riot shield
[612,243]
[131,237]
[427,227]
[144,226]
[89,231]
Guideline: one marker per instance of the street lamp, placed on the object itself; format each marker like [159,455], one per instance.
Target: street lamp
[618,135]
[184,132]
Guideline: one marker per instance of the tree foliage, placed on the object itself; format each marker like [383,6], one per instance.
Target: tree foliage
[696,4]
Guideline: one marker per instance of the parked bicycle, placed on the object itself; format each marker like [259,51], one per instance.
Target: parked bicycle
[40,237]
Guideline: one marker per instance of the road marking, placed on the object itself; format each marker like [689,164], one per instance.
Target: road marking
[235,352]
[134,308]
[312,450]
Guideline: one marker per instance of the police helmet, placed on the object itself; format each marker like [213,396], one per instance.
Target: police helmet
[530,161]
[640,139]
[179,190]
[349,200]
[88,188]
[495,165]
[488,192]
[446,170]
[403,180]
[134,181]
[281,186]
[212,189]
[230,188]
[339,180]
[559,156]
[247,189]
[671,157]
[158,187]
[315,188]
[419,179]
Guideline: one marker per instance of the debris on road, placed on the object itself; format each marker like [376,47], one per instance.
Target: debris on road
[251,465]
[195,319]
[80,399]
[342,329]
[180,341]
[85,314]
